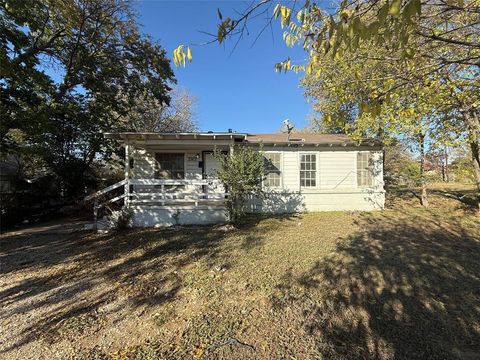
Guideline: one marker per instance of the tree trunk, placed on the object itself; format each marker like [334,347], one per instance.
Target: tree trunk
[476,169]
[424,198]
[475,149]
[447,178]
[444,172]
[473,125]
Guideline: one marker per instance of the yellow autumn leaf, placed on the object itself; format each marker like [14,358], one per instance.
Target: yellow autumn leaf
[395,7]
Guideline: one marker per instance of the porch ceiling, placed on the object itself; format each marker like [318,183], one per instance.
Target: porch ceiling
[190,146]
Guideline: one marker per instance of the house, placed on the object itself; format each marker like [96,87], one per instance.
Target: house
[170,177]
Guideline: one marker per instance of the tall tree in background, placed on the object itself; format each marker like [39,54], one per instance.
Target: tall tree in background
[379,107]
[69,70]
[431,47]
[150,116]
[417,41]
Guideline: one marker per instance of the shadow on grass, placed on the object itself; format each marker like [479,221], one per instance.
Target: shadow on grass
[133,269]
[467,199]
[403,287]
[254,224]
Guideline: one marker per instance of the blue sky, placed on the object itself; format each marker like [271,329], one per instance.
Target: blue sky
[238,90]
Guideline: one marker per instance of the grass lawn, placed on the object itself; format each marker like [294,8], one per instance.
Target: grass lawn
[402,283]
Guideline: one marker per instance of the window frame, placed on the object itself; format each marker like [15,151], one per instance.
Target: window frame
[370,180]
[316,177]
[280,186]
[157,164]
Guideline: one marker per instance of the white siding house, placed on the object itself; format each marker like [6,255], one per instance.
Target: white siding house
[169,178]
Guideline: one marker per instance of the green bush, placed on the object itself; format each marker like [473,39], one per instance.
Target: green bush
[411,174]
[462,170]
[241,172]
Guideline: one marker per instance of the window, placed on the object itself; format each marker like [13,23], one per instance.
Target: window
[308,170]
[170,165]
[364,172]
[272,165]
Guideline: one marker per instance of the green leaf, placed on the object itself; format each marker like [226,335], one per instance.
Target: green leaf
[223,29]
[409,53]
[395,8]
[331,26]
[373,28]
[411,9]
[418,6]
[356,25]
[382,13]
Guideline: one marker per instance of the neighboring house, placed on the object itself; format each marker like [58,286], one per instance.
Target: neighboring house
[170,178]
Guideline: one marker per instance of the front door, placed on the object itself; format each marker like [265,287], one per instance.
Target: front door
[211,165]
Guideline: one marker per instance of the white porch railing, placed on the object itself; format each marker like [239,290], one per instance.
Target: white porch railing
[159,192]
[165,192]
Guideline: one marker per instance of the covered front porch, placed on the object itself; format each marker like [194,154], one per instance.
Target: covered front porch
[170,178]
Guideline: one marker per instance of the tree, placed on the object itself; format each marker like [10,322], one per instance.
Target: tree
[461,166]
[349,24]
[347,93]
[397,157]
[426,46]
[69,71]
[150,116]
[442,36]
[242,173]
[438,158]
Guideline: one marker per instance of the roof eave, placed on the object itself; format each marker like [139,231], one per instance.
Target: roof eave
[316,144]
[146,136]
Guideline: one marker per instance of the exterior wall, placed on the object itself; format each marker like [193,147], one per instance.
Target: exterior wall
[336,187]
[144,166]
[290,202]
[337,170]
[146,216]
[193,171]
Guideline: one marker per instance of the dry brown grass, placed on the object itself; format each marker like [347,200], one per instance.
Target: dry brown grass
[403,283]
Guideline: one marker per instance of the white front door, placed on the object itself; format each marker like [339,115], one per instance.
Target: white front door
[210,166]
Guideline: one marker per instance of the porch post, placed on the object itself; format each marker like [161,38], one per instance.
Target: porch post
[231,149]
[127,174]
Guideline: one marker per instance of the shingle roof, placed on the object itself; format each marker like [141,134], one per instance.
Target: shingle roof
[315,139]
[308,138]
